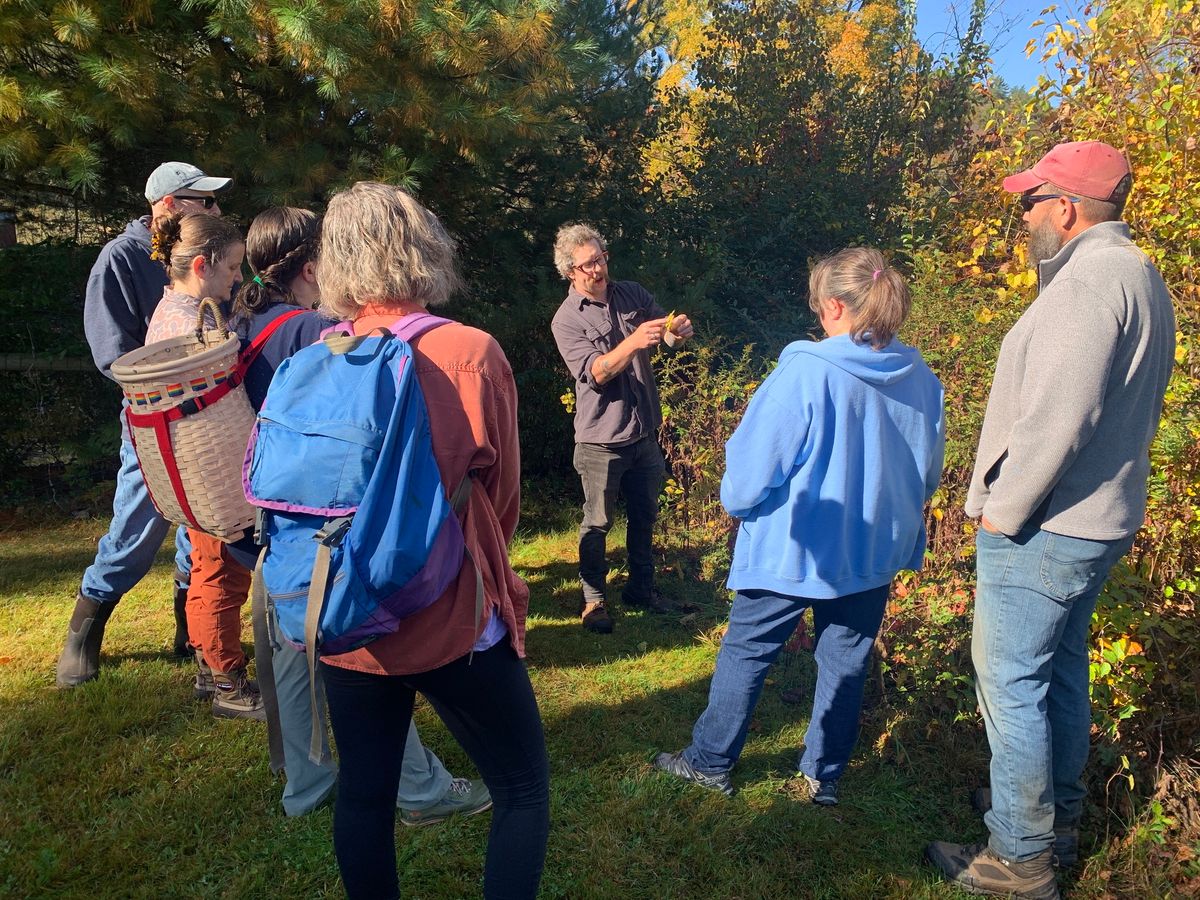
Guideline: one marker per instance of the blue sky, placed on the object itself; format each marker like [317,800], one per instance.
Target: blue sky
[1007,30]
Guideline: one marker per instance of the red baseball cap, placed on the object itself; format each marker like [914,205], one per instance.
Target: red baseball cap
[1087,168]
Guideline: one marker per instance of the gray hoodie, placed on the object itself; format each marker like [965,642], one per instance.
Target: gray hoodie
[123,289]
[1077,394]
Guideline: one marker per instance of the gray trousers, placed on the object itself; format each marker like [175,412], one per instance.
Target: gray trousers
[636,472]
[423,779]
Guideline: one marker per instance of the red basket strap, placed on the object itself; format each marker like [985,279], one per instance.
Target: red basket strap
[161,423]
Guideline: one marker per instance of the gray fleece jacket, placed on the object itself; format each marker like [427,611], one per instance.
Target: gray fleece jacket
[1078,393]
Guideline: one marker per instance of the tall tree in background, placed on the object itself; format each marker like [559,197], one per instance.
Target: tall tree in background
[798,128]
[292,97]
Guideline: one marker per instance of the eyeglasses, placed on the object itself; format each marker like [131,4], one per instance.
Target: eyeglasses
[1029,201]
[209,202]
[594,263]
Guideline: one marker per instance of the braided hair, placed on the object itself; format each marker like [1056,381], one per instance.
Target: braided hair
[280,241]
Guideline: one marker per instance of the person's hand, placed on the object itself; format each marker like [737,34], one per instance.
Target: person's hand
[648,334]
[988,526]
[681,327]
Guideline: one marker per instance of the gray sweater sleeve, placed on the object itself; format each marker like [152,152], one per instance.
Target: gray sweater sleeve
[1068,359]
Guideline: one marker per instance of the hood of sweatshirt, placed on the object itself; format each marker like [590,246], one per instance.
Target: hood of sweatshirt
[892,364]
[138,231]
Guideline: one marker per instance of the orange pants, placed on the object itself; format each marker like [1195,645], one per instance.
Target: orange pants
[219,587]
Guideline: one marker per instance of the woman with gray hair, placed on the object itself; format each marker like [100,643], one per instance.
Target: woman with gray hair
[384,256]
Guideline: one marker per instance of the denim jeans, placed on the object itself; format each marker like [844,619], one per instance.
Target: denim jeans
[126,553]
[636,471]
[1034,599]
[487,702]
[759,625]
[423,779]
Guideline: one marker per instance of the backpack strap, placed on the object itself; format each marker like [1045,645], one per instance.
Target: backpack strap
[161,423]
[264,654]
[328,537]
[247,357]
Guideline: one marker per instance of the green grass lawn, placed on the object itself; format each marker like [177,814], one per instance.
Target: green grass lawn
[128,788]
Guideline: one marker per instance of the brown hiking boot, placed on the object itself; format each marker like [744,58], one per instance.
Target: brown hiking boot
[205,686]
[1066,837]
[80,658]
[977,870]
[595,618]
[237,697]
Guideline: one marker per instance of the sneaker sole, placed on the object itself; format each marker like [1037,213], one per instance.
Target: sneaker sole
[220,713]
[434,820]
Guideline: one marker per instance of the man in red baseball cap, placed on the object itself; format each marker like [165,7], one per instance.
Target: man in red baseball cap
[1059,488]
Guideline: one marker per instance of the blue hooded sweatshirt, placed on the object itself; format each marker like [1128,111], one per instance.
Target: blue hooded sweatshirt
[831,467]
[123,289]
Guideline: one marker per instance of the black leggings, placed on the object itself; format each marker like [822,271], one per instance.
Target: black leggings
[489,707]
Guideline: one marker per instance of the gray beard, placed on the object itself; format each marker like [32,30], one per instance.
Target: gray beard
[1044,244]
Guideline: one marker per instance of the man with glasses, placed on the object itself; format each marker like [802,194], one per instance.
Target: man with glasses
[605,331]
[123,289]
[1059,488]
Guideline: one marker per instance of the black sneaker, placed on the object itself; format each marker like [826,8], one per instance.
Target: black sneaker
[822,793]
[595,618]
[1066,837]
[977,870]
[675,764]
[654,601]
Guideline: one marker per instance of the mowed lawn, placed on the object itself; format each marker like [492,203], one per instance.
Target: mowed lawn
[126,787]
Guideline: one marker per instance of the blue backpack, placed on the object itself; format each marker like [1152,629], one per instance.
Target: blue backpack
[357,531]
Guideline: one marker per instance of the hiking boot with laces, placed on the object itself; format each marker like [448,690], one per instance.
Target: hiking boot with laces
[595,618]
[675,764]
[464,798]
[822,793]
[978,870]
[1066,837]
[205,685]
[237,697]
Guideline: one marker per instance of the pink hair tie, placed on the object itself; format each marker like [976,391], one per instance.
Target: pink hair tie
[875,275]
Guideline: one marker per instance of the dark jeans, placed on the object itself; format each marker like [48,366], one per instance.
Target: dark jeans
[636,471]
[759,624]
[487,703]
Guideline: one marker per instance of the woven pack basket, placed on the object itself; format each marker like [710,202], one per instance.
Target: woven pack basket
[189,445]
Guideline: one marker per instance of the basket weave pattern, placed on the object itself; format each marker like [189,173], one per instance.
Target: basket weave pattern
[209,445]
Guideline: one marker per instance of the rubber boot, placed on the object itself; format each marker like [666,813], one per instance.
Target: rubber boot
[182,648]
[80,659]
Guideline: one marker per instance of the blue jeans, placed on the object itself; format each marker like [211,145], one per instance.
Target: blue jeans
[423,779]
[759,625]
[127,551]
[1034,599]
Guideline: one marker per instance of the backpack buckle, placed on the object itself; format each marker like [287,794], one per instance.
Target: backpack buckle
[332,532]
[261,525]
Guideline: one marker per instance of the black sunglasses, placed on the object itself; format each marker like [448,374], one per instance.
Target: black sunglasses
[1028,201]
[208,202]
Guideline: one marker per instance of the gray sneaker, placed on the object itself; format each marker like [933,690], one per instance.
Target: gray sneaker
[464,798]
[822,793]
[237,697]
[675,764]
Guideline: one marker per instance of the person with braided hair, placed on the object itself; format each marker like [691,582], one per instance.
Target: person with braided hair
[123,289]
[281,249]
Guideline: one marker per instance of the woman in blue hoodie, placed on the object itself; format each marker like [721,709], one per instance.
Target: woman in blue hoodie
[829,472]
